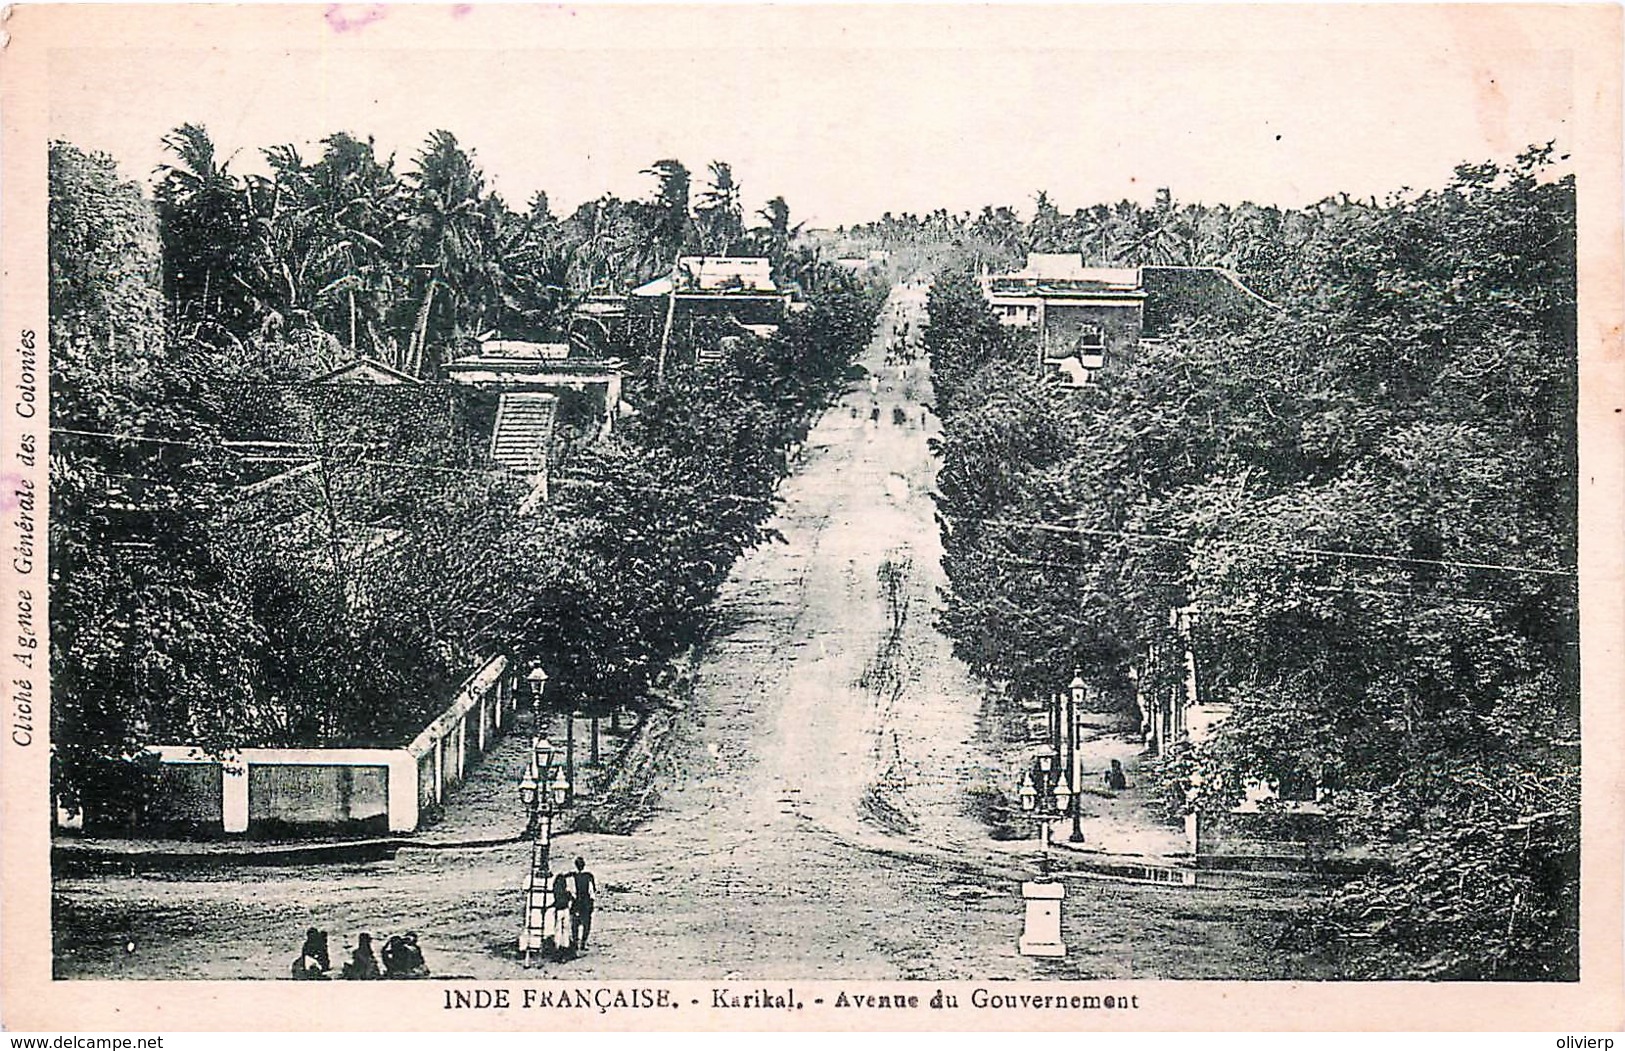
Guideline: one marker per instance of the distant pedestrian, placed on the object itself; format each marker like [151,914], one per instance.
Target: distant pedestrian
[363,965]
[586,895]
[313,962]
[1116,780]
[562,899]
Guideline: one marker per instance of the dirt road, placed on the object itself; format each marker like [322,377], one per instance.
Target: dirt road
[813,821]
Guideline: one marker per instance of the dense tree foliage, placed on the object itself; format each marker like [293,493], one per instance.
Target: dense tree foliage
[347,254]
[147,642]
[1369,499]
[1367,496]
[332,580]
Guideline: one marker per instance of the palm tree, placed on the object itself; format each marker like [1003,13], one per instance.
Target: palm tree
[1045,234]
[608,245]
[287,243]
[718,215]
[1168,236]
[448,232]
[774,239]
[668,213]
[524,276]
[361,202]
[1000,228]
[207,235]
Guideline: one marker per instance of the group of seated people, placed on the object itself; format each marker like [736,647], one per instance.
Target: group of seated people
[402,958]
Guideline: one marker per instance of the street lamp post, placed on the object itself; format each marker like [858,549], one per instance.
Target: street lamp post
[1041,933]
[570,747]
[543,791]
[1029,806]
[1048,788]
[1077,689]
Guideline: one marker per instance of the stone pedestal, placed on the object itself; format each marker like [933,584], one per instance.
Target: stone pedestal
[1041,935]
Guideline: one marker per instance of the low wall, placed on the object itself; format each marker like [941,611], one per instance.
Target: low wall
[337,790]
[271,789]
[447,749]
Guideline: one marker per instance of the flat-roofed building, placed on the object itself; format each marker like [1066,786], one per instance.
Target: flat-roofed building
[718,287]
[514,366]
[1089,318]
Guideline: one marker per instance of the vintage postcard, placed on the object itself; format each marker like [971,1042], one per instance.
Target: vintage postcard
[858,517]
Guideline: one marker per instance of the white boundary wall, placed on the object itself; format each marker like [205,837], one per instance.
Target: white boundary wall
[489,690]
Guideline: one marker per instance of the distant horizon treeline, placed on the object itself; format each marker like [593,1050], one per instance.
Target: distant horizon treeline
[1259,242]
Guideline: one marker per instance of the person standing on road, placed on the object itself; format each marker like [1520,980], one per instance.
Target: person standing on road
[562,913]
[586,893]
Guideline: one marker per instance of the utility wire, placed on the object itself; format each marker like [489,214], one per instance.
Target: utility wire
[133,438]
[1318,552]
[1015,560]
[1048,527]
[563,479]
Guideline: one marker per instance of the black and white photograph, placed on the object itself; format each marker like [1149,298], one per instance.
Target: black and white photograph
[681,514]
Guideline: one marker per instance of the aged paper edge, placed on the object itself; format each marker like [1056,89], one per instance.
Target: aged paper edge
[31,1000]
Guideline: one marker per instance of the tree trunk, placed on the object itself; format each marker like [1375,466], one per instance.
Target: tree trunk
[671,312]
[420,330]
[570,751]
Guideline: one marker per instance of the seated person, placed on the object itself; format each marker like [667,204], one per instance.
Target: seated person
[313,962]
[403,958]
[363,964]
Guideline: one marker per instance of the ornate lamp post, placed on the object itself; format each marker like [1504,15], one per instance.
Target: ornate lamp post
[1029,806]
[1063,799]
[1077,689]
[1041,934]
[1052,778]
[538,681]
[543,790]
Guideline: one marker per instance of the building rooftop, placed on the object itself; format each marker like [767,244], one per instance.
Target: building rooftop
[1069,266]
[716,275]
[364,371]
[519,348]
[601,306]
[517,357]
[521,366]
[1063,275]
